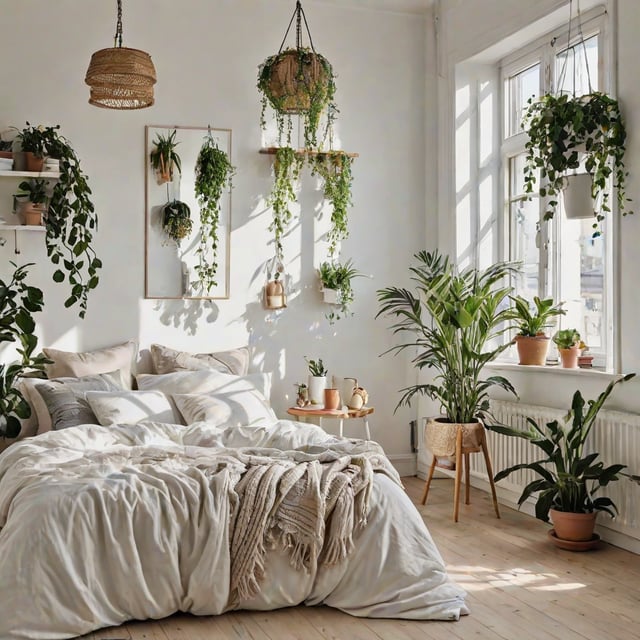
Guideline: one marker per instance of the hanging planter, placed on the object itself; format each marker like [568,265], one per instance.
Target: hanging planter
[274,291]
[298,81]
[176,220]
[576,196]
[164,158]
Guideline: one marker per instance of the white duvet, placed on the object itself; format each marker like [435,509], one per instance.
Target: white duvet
[100,525]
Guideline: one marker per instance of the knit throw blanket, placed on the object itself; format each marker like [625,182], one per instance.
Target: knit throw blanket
[308,504]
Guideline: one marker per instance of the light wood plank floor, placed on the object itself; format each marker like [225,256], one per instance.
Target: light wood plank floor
[519,587]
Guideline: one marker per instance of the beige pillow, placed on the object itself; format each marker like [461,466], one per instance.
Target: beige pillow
[29,388]
[131,407]
[167,360]
[71,364]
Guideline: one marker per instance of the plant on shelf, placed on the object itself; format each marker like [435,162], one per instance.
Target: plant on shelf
[531,341]
[566,132]
[569,477]
[297,81]
[176,220]
[214,174]
[317,381]
[569,343]
[164,157]
[334,167]
[34,193]
[336,283]
[286,171]
[35,142]
[18,303]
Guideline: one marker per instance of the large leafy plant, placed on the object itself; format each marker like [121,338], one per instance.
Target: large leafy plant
[566,131]
[18,303]
[569,476]
[214,174]
[454,320]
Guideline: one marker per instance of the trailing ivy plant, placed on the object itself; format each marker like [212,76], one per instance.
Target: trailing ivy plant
[338,276]
[286,169]
[565,131]
[334,167]
[18,303]
[298,82]
[214,173]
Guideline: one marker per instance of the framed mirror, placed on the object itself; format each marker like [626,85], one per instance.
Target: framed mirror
[172,246]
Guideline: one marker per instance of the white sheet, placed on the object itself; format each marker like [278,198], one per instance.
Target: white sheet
[101,525]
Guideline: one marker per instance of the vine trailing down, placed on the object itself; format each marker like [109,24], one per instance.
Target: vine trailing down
[214,173]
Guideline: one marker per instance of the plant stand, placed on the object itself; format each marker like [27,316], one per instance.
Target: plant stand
[459,440]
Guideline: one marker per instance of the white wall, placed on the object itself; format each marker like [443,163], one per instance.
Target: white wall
[206,55]
[468,27]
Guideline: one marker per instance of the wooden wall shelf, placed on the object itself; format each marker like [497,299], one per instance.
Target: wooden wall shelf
[307,152]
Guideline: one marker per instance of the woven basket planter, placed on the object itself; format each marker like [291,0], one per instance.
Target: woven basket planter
[295,77]
[440,437]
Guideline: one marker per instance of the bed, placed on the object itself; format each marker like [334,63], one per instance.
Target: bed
[105,523]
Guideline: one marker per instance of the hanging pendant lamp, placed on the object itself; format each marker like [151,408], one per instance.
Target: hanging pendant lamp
[119,77]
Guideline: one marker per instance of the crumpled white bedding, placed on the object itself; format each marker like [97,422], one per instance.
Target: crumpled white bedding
[100,525]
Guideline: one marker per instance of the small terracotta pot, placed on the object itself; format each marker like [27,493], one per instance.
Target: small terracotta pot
[573,526]
[34,163]
[32,214]
[532,350]
[331,399]
[569,357]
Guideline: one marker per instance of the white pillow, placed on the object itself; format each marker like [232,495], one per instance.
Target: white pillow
[131,407]
[181,382]
[88,363]
[167,360]
[232,409]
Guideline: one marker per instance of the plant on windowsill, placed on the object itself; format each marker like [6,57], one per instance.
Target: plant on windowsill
[569,344]
[565,132]
[214,174]
[454,322]
[164,158]
[18,303]
[33,200]
[335,278]
[531,341]
[569,477]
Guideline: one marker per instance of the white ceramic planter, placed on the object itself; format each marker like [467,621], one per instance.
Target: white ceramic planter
[576,194]
[331,296]
[317,385]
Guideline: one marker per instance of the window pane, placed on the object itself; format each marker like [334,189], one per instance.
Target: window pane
[524,234]
[519,88]
[577,68]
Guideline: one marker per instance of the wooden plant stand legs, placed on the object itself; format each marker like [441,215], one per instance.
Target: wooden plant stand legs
[425,493]
[487,461]
[458,478]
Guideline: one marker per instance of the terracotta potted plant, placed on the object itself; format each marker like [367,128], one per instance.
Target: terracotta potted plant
[569,477]
[568,342]
[33,194]
[531,341]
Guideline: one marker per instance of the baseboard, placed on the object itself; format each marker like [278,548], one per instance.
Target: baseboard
[405,463]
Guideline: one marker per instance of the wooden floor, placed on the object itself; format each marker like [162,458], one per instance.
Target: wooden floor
[519,587]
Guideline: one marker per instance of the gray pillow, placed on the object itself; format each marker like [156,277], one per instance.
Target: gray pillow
[167,360]
[66,397]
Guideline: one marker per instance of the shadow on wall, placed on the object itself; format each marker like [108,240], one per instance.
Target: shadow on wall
[185,314]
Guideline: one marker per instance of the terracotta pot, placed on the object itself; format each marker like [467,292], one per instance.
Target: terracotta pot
[532,350]
[569,357]
[34,163]
[573,526]
[32,214]
[331,399]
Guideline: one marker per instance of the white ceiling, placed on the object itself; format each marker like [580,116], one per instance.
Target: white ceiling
[401,6]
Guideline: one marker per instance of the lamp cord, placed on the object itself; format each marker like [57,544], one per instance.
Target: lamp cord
[117,39]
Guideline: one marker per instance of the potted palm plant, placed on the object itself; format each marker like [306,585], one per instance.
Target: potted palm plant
[164,157]
[568,132]
[569,477]
[531,341]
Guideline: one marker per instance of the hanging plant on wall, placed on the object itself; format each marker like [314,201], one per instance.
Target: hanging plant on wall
[298,81]
[164,158]
[335,278]
[214,174]
[286,170]
[334,168]
[176,220]
[71,219]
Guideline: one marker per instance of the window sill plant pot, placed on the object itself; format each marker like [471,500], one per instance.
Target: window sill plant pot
[569,357]
[532,350]
[576,195]
[569,346]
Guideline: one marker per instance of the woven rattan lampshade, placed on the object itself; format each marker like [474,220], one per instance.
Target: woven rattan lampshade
[119,77]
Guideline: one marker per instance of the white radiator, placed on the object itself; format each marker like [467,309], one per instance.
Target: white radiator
[615,435]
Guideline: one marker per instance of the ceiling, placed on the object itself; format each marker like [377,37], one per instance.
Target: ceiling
[401,6]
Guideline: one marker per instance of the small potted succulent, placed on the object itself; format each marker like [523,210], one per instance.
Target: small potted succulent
[569,343]
[531,341]
[164,158]
[317,380]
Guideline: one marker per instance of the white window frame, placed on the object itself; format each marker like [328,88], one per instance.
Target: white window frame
[544,51]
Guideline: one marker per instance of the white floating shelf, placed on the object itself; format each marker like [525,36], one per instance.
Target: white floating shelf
[22,227]
[30,174]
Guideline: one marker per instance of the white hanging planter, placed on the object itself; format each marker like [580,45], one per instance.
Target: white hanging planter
[576,194]
[331,296]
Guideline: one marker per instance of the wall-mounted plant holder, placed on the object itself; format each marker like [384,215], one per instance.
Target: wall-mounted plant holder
[331,296]
[274,296]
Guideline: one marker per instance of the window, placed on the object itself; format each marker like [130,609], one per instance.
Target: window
[560,257]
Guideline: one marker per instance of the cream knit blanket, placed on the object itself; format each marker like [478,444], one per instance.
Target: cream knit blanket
[309,504]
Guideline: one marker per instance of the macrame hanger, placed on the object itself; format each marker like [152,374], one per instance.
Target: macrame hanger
[298,16]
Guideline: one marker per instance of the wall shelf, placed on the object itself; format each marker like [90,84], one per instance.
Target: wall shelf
[311,152]
[18,229]
[53,175]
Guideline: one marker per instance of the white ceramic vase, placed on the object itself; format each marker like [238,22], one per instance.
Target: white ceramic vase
[317,385]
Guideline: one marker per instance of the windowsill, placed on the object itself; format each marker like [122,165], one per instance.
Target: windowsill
[552,369]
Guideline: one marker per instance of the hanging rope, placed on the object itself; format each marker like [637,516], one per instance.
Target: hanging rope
[572,49]
[298,16]
[117,39]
